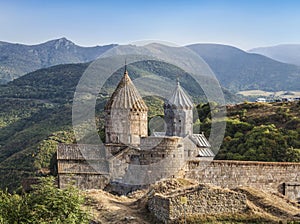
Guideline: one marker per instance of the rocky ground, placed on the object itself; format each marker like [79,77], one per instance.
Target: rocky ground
[132,209]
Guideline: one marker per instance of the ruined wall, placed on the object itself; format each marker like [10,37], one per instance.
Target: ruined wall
[269,176]
[200,200]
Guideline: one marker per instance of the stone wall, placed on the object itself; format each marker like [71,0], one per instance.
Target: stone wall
[269,176]
[202,199]
[292,190]
[157,158]
[84,166]
[155,149]
[125,126]
[164,156]
[83,180]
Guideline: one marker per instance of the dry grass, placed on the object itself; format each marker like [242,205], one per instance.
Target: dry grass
[271,205]
[263,207]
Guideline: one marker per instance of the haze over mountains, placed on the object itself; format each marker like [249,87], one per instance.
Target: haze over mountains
[287,53]
[235,69]
[238,70]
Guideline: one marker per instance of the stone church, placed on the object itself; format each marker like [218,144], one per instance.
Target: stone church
[131,157]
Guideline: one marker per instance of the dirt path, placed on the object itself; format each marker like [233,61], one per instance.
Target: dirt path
[108,208]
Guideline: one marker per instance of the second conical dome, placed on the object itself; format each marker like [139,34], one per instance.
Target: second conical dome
[180,99]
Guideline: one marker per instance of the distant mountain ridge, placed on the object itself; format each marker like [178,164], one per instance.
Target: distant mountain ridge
[239,70]
[287,53]
[18,59]
[235,69]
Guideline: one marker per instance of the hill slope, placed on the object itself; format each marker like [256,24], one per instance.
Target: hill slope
[238,70]
[287,53]
[18,59]
[260,132]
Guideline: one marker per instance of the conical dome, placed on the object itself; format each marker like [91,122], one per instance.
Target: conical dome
[126,96]
[180,99]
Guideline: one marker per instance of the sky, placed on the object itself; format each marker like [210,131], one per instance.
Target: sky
[242,23]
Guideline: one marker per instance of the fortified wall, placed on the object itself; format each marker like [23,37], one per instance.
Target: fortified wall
[268,176]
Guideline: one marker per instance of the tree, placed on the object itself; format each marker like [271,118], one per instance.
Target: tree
[45,204]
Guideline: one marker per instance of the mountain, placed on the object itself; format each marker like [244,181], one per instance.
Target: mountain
[238,70]
[18,59]
[287,53]
[235,69]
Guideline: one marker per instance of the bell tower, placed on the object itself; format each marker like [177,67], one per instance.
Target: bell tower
[178,112]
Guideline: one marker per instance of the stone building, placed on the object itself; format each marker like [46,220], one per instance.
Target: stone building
[130,158]
[131,155]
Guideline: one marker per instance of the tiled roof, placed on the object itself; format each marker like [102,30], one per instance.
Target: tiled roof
[205,152]
[200,140]
[126,96]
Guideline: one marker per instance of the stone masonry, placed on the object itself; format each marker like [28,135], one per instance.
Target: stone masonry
[202,199]
[129,156]
[268,176]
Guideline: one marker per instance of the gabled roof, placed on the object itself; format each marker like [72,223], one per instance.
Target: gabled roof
[180,99]
[205,152]
[204,148]
[126,96]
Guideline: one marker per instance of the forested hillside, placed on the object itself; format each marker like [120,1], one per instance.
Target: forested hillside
[259,131]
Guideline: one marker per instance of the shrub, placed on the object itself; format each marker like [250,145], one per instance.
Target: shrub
[45,204]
